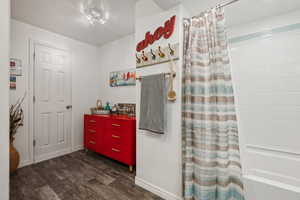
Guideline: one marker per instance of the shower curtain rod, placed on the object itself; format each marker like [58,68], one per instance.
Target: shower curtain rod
[223,4]
[227,3]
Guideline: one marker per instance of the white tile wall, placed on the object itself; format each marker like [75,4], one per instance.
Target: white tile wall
[266,74]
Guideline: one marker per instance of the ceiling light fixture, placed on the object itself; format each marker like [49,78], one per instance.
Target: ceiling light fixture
[96,11]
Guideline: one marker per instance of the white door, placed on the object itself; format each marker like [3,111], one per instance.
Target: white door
[52,107]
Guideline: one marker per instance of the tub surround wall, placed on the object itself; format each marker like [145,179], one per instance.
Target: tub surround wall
[265,69]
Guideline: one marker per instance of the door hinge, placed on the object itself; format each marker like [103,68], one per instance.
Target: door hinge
[33,99]
[34,143]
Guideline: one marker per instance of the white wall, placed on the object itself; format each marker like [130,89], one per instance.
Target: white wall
[159,156]
[266,78]
[85,80]
[115,56]
[4,116]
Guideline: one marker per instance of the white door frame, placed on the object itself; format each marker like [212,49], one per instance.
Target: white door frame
[30,94]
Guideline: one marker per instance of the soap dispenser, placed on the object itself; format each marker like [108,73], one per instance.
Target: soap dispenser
[107,107]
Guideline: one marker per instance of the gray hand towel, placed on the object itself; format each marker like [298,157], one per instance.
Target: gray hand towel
[153,103]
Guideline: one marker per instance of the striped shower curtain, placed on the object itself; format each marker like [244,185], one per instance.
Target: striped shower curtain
[211,158]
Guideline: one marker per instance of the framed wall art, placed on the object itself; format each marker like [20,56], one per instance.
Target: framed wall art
[122,78]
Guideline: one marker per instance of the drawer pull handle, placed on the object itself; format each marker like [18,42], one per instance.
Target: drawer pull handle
[115,136]
[92,142]
[92,131]
[115,150]
[118,125]
[92,121]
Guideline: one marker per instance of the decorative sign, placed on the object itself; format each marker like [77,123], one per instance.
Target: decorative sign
[122,78]
[163,31]
[15,67]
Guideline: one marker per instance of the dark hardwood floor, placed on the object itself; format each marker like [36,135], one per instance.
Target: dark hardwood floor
[77,176]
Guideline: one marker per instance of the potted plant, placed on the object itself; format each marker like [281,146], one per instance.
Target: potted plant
[16,118]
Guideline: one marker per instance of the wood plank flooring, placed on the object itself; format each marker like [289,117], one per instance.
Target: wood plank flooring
[77,176]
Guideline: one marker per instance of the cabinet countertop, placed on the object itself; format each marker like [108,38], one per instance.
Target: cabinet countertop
[115,116]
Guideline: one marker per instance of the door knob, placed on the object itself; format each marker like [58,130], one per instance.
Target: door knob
[68,107]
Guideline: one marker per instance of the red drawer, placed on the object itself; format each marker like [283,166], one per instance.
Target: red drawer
[91,131]
[116,153]
[91,142]
[114,146]
[118,125]
[91,121]
[116,137]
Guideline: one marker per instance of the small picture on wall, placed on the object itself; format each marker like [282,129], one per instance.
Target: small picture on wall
[122,78]
[13,82]
[15,67]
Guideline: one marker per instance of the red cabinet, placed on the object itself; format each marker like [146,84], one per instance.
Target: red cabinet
[112,136]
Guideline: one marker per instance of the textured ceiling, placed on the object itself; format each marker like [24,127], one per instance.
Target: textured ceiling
[64,17]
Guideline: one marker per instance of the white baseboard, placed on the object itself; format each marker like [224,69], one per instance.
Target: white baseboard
[52,155]
[77,148]
[25,163]
[156,190]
